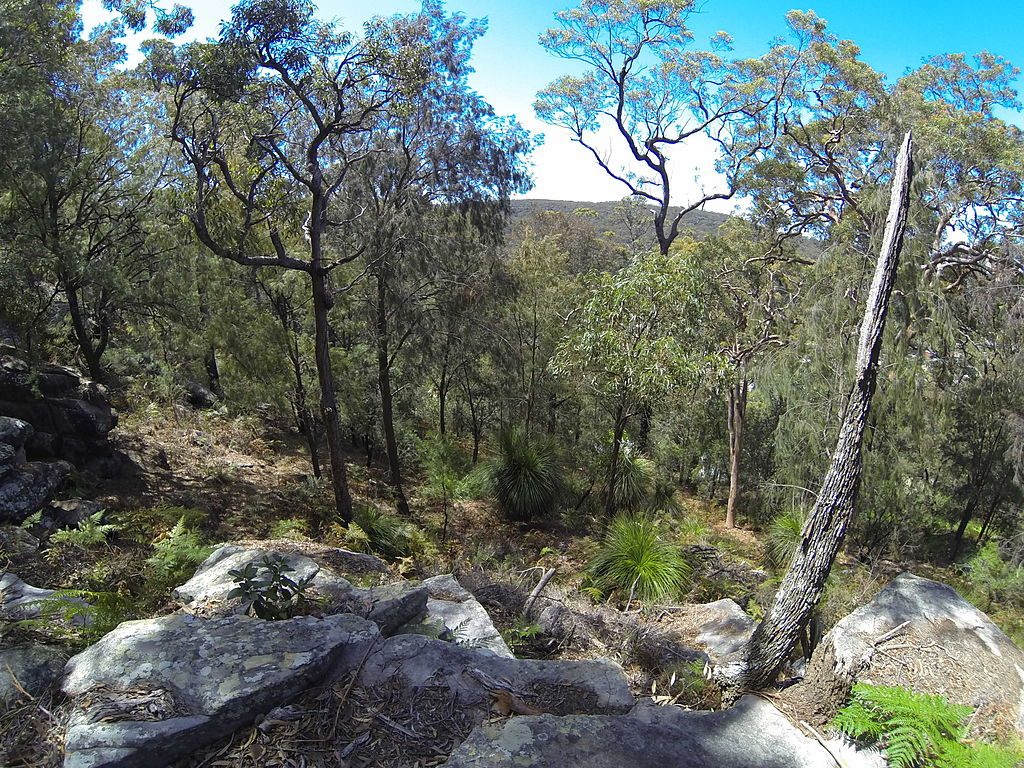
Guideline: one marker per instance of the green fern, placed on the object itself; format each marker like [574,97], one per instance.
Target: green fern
[91,532]
[916,729]
[177,554]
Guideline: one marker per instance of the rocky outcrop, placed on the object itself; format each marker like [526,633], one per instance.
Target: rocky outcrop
[752,733]
[25,487]
[28,670]
[453,613]
[70,415]
[723,628]
[155,690]
[389,606]
[922,635]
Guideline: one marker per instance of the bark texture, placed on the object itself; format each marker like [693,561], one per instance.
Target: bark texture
[776,636]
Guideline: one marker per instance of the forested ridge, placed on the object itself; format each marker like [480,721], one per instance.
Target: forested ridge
[298,261]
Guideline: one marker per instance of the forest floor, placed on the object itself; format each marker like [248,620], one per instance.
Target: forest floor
[242,478]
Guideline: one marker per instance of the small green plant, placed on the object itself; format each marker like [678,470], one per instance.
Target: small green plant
[85,616]
[636,560]
[525,477]
[89,533]
[176,555]
[381,533]
[269,591]
[917,730]
[291,528]
[783,537]
[521,633]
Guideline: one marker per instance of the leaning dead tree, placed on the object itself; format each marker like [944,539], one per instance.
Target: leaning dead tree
[774,639]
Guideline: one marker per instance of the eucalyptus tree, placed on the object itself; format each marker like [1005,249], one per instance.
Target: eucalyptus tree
[656,97]
[441,153]
[271,119]
[636,337]
[80,171]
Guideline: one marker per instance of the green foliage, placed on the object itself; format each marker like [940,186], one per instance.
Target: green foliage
[784,536]
[995,579]
[634,480]
[916,729]
[376,531]
[84,616]
[290,528]
[520,633]
[525,477]
[636,560]
[91,532]
[271,594]
[177,554]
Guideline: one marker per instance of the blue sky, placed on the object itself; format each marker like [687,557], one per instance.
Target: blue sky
[894,35]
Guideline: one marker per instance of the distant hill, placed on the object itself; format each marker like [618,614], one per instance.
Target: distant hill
[702,223]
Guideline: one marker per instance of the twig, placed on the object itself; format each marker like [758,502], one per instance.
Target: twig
[891,633]
[544,579]
[821,741]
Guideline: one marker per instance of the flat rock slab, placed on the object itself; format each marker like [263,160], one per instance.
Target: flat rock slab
[155,690]
[389,605]
[30,669]
[920,634]
[753,734]
[452,608]
[470,674]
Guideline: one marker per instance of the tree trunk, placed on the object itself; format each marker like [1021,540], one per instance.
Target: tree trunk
[736,416]
[476,422]
[613,463]
[776,636]
[442,394]
[82,334]
[328,399]
[387,399]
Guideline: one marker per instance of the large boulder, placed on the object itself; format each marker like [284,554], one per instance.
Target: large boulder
[751,734]
[28,670]
[920,634]
[453,611]
[389,606]
[477,679]
[28,488]
[155,690]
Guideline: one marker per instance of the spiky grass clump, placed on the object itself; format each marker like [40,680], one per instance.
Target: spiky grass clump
[374,530]
[783,537]
[637,561]
[634,480]
[525,478]
[917,730]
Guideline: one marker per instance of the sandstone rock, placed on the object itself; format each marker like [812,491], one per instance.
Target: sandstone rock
[452,607]
[153,691]
[561,687]
[752,734]
[724,628]
[8,459]
[19,600]
[388,606]
[66,513]
[31,668]
[27,488]
[16,542]
[14,432]
[922,635]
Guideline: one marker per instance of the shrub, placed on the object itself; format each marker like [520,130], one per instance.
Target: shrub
[916,729]
[525,477]
[270,592]
[290,528]
[783,537]
[634,559]
[381,533]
